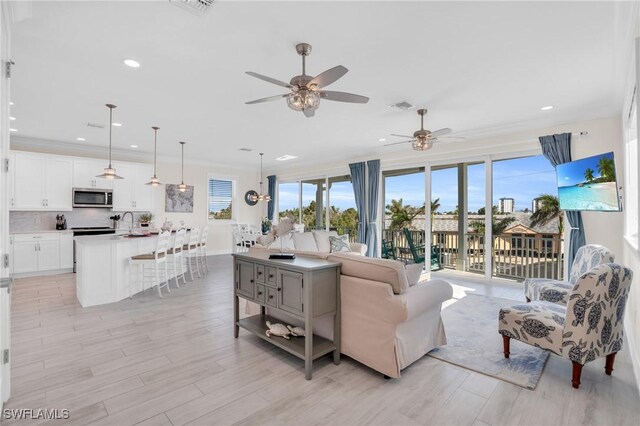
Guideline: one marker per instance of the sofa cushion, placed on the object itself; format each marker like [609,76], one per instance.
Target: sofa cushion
[414,272]
[322,239]
[304,241]
[339,243]
[382,270]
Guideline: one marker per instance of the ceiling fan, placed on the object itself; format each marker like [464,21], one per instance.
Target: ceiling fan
[305,91]
[423,139]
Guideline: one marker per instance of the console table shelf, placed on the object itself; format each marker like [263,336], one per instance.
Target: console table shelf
[295,346]
[303,288]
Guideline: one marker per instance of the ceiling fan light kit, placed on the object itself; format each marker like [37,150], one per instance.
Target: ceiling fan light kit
[422,140]
[110,171]
[305,91]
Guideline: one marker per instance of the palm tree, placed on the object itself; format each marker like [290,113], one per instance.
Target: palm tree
[402,215]
[548,211]
[497,226]
[435,205]
[588,174]
[607,169]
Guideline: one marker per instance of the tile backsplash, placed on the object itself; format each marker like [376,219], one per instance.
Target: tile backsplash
[45,221]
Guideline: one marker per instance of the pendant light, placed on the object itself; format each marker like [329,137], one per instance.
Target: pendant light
[261,196]
[110,172]
[182,187]
[154,181]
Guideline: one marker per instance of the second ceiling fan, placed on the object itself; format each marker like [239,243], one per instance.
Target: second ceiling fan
[422,139]
[305,93]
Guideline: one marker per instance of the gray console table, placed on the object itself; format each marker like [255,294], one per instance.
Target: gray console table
[305,288]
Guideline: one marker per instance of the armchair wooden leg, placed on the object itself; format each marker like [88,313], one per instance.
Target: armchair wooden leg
[608,367]
[505,344]
[577,372]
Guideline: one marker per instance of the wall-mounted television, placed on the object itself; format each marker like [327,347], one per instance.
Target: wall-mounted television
[588,184]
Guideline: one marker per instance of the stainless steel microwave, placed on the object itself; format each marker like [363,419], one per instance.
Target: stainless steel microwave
[88,197]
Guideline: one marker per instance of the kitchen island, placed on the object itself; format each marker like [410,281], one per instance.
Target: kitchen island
[103,271]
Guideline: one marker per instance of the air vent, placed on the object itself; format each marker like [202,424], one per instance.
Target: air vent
[197,7]
[401,106]
[94,125]
[245,149]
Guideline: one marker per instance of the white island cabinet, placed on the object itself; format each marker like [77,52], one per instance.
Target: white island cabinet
[103,271]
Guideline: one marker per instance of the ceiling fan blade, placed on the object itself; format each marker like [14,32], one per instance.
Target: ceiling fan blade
[343,97]
[309,112]
[402,136]
[397,143]
[267,99]
[269,79]
[441,132]
[329,76]
[452,137]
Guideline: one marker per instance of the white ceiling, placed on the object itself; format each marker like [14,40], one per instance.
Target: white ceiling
[476,66]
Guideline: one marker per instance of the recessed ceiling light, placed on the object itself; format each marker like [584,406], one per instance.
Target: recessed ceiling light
[12,118]
[10,103]
[132,63]
[382,140]
[547,108]
[117,124]
[133,146]
[81,139]
[286,157]
[13,130]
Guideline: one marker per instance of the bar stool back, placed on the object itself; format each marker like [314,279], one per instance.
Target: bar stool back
[202,249]
[190,251]
[175,256]
[152,265]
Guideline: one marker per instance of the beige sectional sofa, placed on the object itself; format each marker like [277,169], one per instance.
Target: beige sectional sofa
[387,324]
[310,242]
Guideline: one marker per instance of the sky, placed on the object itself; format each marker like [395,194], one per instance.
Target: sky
[522,179]
[570,174]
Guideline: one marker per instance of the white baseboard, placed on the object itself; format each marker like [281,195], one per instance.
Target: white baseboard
[42,273]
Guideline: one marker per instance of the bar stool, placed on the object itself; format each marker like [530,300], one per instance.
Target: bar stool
[202,248]
[152,263]
[190,251]
[175,256]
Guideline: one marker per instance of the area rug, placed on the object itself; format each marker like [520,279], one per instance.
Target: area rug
[473,342]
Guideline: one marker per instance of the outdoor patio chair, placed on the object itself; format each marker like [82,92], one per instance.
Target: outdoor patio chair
[388,250]
[589,327]
[416,251]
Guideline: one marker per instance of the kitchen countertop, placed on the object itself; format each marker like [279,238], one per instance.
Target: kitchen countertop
[46,231]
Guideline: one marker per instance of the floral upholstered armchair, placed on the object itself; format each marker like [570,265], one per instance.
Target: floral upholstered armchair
[587,328]
[556,291]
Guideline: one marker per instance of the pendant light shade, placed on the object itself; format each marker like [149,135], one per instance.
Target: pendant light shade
[261,196]
[154,181]
[182,187]
[109,171]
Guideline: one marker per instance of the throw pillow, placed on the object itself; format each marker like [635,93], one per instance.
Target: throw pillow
[339,243]
[414,271]
[322,239]
[305,241]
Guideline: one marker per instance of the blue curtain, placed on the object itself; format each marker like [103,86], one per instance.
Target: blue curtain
[373,167]
[271,206]
[358,180]
[557,149]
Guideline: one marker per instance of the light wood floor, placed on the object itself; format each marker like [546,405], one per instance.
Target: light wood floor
[174,361]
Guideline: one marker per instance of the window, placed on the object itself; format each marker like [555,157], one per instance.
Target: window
[343,215]
[221,194]
[313,201]
[631,179]
[289,200]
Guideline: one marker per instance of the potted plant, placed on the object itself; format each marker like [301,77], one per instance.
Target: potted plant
[266,226]
[145,219]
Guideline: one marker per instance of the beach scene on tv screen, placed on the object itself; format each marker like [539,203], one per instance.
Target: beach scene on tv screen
[588,184]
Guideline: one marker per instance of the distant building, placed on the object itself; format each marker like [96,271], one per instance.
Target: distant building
[506,205]
[536,204]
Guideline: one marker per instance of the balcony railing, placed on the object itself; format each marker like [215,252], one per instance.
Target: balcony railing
[514,256]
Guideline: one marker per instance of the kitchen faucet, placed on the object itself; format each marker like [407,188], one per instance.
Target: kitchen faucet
[123,215]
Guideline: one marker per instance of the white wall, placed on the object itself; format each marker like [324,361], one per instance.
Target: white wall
[220,236]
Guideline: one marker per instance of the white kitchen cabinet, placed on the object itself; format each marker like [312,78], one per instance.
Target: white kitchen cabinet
[28,181]
[40,182]
[66,250]
[131,193]
[41,252]
[58,183]
[85,171]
